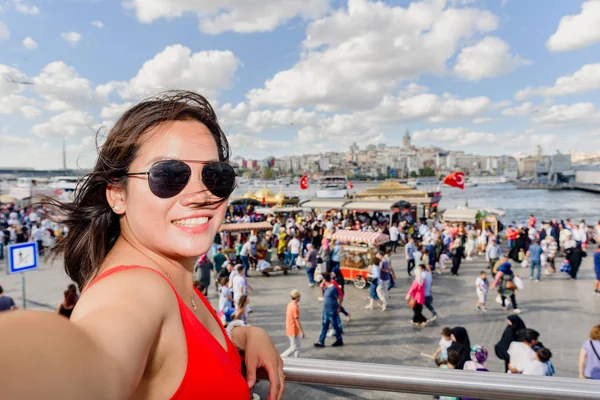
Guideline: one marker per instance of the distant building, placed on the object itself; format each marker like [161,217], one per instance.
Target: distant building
[507,167]
[406,141]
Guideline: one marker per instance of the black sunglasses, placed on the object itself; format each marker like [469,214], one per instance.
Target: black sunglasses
[168,178]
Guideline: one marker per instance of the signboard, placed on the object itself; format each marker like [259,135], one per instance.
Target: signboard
[22,257]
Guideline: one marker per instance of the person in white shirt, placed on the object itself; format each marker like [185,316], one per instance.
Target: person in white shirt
[38,235]
[538,366]
[239,284]
[394,236]
[521,353]
[294,246]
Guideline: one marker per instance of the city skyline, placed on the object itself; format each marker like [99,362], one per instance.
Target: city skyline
[484,77]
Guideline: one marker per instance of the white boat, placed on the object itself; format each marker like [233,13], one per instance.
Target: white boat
[424,183]
[64,187]
[332,187]
[27,187]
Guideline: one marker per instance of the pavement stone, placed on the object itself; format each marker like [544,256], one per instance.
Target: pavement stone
[563,311]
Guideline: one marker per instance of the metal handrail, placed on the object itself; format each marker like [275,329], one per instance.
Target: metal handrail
[437,382]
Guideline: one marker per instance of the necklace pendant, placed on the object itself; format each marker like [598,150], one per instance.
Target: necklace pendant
[193,303]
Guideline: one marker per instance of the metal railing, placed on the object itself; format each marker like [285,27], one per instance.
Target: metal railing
[436,382]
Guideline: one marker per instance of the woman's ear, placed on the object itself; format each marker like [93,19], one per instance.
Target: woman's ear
[115,195]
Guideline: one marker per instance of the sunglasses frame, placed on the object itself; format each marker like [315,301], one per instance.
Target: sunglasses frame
[186,163]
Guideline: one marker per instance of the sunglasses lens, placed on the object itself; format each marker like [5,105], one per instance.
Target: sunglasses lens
[219,179]
[168,178]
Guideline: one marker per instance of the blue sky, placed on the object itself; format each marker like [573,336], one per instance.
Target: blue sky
[286,77]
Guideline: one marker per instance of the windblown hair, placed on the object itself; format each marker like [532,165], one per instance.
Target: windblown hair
[93,226]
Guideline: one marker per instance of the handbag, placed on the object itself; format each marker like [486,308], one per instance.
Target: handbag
[510,285]
[319,260]
[411,302]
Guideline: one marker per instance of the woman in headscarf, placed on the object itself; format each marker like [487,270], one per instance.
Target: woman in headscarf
[325,255]
[573,254]
[506,286]
[417,293]
[515,324]
[461,344]
[457,251]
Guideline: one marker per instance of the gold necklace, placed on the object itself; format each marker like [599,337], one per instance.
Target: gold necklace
[192,300]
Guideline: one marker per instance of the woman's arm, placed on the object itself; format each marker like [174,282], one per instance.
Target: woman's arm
[582,358]
[101,353]
[498,277]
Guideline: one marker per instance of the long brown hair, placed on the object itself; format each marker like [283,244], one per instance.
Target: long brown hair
[93,226]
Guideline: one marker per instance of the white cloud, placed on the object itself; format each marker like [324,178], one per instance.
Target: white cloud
[455,136]
[518,111]
[114,111]
[4,32]
[29,43]
[243,141]
[14,141]
[488,58]
[71,37]
[176,67]
[268,119]
[98,24]
[482,120]
[577,31]
[63,88]
[587,78]
[69,123]
[356,55]
[562,115]
[25,9]
[30,112]
[217,16]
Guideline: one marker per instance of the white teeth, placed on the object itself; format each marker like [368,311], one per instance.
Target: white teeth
[191,221]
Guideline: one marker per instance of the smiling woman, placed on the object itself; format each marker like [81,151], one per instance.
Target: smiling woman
[153,202]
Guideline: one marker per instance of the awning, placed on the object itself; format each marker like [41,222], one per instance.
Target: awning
[326,204]
[461,215]
[383,205]
[246,227]
[371,238]
[264,211]
[279,210]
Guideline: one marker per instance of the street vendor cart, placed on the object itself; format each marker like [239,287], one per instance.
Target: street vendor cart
[244,231]
[357,253]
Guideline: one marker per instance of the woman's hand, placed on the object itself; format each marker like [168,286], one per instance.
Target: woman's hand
[261,353]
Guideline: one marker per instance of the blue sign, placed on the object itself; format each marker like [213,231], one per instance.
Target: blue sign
[22,257]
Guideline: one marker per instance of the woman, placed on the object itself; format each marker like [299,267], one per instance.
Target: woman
[597,271]
[506,286]
[417,293]
[153,202]
[457,252]
[325,255]
[589,357]
[573,254]
[461,344]
[202,270]
[66,307]
[515,324]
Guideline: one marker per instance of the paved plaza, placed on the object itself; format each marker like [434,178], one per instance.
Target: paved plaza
[563,311]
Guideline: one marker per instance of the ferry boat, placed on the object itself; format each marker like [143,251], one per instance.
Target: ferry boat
[423,183]
[332,187]
[64,187]
[28,187]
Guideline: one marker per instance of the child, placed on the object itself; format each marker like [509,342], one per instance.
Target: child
[479,356]
[443,261]
[441,354]
[226,308]
[481,287]
[241,311]
[451,363]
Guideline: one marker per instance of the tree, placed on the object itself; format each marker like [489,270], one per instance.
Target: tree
[427,171]
[268,173]
[413,174]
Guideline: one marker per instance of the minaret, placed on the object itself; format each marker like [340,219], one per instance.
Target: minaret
[64,154]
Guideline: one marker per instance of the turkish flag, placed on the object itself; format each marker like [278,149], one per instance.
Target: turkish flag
[304,182]
[350,185]
[455,179]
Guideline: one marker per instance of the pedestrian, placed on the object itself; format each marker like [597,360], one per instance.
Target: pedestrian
[479,355]
[521,352]
[384,280]
[394,236]
[441,354]
[409,251]
[427,283]
[461,344]
[539,366]
[203,271]
[492,253]
[293,326]
[535,260]
[373,277]
[294,249]
[510,334]
[245,253]
[481,288]
[331,308]
[335,255]
[574,255]
[324,254]
[589,357]
[597,271]
[68,304]
[218,260]
[6,302]
[311,264]
[506,286]
[458,253]
[416,299]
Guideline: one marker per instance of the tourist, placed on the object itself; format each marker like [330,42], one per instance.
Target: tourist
[481,288]
[535,259]
[539,366]
[335,255]
[597,271]
[492,253]
[226,306]
[427,283]
[416,299]
[331,307]
[384,280]
[589,356]
[293,326]
[479,356]
[510,334]
[373,277]
[521,353]
[574,255]
[134,232]
[218,260]
[324,254]
[506,286]
[394,236]
[202,273]
[409,251]
[245,253]
[511,236]
[551,253]
[242,307]
[294,249]
[311,264]
[441,354]
[68,304]
[461,344]
[6,302]
[457,252]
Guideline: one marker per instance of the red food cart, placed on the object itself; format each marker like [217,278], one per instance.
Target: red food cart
[358,250]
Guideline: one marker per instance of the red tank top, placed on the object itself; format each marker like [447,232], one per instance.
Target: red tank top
[212,372]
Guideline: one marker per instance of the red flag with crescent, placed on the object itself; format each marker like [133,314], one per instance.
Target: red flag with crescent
[304,182]
[350,185]
[455,179]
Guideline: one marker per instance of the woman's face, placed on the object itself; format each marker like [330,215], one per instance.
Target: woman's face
[155,222]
